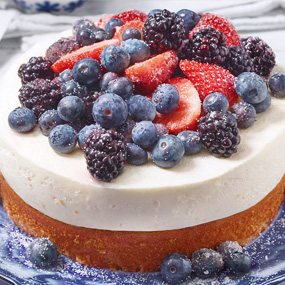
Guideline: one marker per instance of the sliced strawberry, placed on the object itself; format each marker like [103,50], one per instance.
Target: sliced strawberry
[104,20]
[209,78]
[131,15]
[132,24]
[147,75]
[221,24]
[94,51]
[186,115]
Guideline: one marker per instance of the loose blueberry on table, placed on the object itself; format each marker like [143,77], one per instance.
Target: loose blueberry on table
[112,87]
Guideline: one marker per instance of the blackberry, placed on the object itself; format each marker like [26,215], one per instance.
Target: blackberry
[206,46]
[238,61]
[40,95]
[219,134]
[164,31]
[36,67]
[60,48]
[261,54]
[105,153]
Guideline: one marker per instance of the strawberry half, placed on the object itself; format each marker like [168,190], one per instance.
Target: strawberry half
[131,15]
[104,20]
[93,51]
[147,75]
[221,24]
[132,24]
[187,114]
[209,78]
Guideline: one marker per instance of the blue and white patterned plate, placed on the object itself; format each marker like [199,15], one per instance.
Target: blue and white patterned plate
[267,252]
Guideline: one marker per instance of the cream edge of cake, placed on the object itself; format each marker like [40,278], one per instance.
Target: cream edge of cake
[200,189]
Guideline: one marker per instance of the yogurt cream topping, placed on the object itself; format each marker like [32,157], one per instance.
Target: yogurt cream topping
[199,189]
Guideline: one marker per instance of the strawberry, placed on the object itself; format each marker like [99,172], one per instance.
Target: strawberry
[147,75]
[104,20]
[221,24]
[132,24]
[186,115]
[94,51]
[209,78]
[131,15]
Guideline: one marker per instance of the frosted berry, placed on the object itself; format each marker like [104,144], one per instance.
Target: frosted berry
[131,33]
[190,19]
[110,27]
[135,154]
[137,49]
[70,108]
[22,120]
[144,134]
[48,120]
[73,88]
[263,105]
[216,101]
[121,86]
[245,114]
[277,85]
[191,141]
[106,78]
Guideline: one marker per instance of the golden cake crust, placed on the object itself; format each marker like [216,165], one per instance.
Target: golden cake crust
[140,251]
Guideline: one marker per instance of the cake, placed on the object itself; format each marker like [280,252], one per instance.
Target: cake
[147,212]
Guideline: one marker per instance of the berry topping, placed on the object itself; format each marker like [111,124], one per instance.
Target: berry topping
[85,37]
[208,78]
[216,102]
[277,85]
[106,78]
[111,26]
[131,15]
[237,61]
[48,120]
[42,252]
[62,139]
[60,48]
[164,31]
[135,154]
[187,113]
[136,24]
[110,110]
[192,142]
[65,76]
[147,75]
[37,67]
[165,98]
[239,263]
[221,24]
[206,262]
[105,153]
[261,54]
[152,12]
[104,20]
[94,51]
[131,33]
[40,95]
[83,23]
[245,114]
[126,130]
[168,151]
[206,45]
[190,19]
[227,248]
[175,268]
[85,132]
[219,134]
[70,108]
[73,88]
[121,86]
[144,134]
[22,120]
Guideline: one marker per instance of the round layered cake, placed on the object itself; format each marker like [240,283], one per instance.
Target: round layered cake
[147,212]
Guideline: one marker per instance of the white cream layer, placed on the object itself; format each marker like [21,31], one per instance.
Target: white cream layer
[199,189]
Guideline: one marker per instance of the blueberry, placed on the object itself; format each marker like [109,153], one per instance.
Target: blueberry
[85,132]
[83,23]
[141,108]
[239,263]
[168,151]
[115,58]
[152,12]
[166,98]
[251,87]
[277,85]
[110,110]
[232,117]
[106,78]
[131,33]
[263,105]
[245,114]
[135,154]
[101,36]
[137,49]
[206,262]
[48,120]
[65,75]
[121,86]
[126,130]
[85,37]
[22,120]
[192,142]
[73,88]
[144,134]
[70,108]
[42,252]
[110,27]
[175,268]
[190,19]
[98,30]
[216,102]
[227,248]
[162,130]
[87,71]
[63,138]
